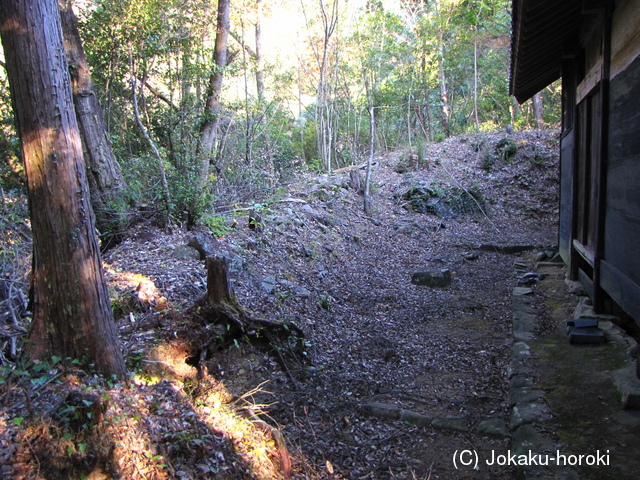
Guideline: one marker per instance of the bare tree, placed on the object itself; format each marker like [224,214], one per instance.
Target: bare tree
[71,311]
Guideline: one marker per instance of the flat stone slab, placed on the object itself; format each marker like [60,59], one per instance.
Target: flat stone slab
[579,335]
[393,412]
[526,413]
[432,277]
[524,319]
[524,395]
[493,427]
[519,381]
[457,424]
[522,291]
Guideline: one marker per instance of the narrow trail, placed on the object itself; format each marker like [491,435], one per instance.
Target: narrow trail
[399,376]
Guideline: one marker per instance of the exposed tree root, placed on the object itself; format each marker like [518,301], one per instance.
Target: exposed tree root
[226,322]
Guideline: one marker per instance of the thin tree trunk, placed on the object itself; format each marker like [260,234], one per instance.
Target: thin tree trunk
[536,102]
[259,54]
[444,98]
[212,109]
[72,315]
[106,182]
[475,80]
[367,181]
[249,137]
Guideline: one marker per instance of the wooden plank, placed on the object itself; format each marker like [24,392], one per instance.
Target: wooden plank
[622,216]
[623,290]
[585,252]
[586,282]
[565,235]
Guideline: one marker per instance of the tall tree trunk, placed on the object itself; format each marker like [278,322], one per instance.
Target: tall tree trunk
[268,150]
[444,98]
[259,53]
[212,109]
[367,180]
[71,310]
[536,101]
[323,108]
[427,103]
[475,79]
[106,183]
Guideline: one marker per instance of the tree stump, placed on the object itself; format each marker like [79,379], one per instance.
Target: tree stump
[354,181]
[227,321]
[218,284]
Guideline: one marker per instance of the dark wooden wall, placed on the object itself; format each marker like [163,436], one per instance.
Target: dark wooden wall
[620,269]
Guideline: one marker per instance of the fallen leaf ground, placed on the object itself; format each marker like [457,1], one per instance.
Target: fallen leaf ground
[372,337]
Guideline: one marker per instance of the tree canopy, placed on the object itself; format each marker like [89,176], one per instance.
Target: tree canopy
[299,78]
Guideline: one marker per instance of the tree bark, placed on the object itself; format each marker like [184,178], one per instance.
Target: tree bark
[444,97]
[212,108]
[71,310]
[536,101]
[106,182]
[259,54]
[367,180]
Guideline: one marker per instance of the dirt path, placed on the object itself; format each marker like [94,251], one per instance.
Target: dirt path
[398,377]
[378,344]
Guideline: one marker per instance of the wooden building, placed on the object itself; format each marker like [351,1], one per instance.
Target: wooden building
[594,46]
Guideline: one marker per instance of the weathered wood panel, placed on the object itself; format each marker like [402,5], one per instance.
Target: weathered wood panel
[625,38]
[622,215]
[624,291]
[566,195]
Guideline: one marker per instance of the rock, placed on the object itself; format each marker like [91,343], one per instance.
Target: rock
[493,428]
[574,287]
[206,245]
[301,292]
[382,410]
[525,413]
[522,291]
[414,418]
[309,210]
[184,252]
[457,424]
[519,381]
[393,412]
[432,277]
[628,386]
[282,220]
[524,395]
[540,256]
[269,284]
[470,255]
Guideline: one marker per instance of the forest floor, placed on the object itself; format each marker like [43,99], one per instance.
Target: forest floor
[395,377]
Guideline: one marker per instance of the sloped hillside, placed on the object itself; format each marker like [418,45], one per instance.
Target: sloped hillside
[394,376]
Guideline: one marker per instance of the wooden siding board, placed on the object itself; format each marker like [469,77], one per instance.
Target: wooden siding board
[566,194]
[623,290]
[622,214]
